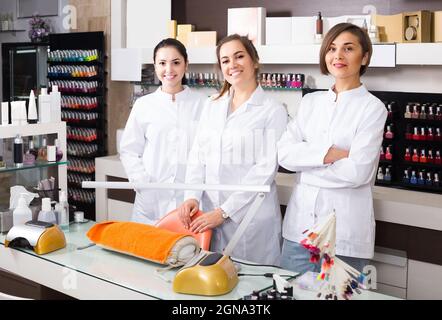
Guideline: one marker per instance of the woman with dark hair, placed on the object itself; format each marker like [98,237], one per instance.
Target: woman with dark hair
[159,133]
[333,145]
[236,145]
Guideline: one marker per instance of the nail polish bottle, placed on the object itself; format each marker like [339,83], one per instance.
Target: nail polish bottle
[428,181]
[278,80]
[413,179]
[430,115]
[389,111]
[29,157]
[382,154]
[406,178]
[437,136]
[58,151]
[423,114]
[415,114]
[380,175]
[423,136]
[421,180]
[42,152]
[388,154]
[283,80]
[416,135]
[423,157]
[269,80]
[415,157]
[436,182]
[288,83]
[408,134]
[407,114]
[387,176]
[389,134]
[438,115]
[273,84]
[263,80]
[437,159]
[430,136]
[407,156]
[430,156]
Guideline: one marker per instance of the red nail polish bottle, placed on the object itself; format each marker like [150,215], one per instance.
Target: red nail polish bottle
[437,159]
[415,157]
[389,134]
[438,136]
[423,136]
[423,157]
[430,156]
[388,154]
[430,136]
[415,134]
[382,154]
[407,156]
[408,134]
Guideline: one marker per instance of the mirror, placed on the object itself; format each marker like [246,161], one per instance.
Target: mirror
[26,8]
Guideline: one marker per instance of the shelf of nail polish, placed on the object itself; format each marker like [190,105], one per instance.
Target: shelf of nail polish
[73,55]
[282,81]
[81,165]
[423,133]
[72,71]
[422,156]
[81,134]
[72,86]
[425,111]
[81,195]
[80,149]
[78,117]
[422,178]
[81,103]
[45,164]
[384,173]
[386,153]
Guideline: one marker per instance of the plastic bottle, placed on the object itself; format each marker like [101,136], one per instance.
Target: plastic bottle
[32,108]
[44,106]
[63,212]
[21,213]
[18,151]
[47,214]
[55,97]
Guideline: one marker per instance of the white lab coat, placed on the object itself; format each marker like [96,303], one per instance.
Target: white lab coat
[154,148]
[354,122]
[240,148]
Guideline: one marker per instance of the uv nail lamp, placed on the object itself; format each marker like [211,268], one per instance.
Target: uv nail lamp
[42,237]
[207,274]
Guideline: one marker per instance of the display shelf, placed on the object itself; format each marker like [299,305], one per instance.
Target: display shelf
[34,166]
[83,164]
[10,131]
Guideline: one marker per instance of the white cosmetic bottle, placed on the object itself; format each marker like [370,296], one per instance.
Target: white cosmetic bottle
[44,106]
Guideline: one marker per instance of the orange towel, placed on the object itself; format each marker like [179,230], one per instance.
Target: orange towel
[137,239]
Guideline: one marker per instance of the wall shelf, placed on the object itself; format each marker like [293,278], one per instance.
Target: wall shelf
[36,165]
[127,62]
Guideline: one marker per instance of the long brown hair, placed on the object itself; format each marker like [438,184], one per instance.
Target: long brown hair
[251,50]
[333,33]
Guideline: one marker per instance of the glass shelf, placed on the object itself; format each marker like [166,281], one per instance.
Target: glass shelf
[36,165]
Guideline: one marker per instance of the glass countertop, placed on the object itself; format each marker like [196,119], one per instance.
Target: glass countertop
[137,274]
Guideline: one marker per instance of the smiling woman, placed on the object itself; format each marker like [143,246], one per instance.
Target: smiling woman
[333,145]
[159,132]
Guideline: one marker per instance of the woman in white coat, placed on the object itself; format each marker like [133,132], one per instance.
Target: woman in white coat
[160,132]
[333,145]
[235,145]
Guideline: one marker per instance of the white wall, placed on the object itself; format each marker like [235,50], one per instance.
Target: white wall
[10,6]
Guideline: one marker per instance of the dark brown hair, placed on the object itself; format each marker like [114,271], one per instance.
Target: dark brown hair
[170,42]
[333,33]
[251,50]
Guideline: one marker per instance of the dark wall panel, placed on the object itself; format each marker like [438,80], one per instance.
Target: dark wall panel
[212,14]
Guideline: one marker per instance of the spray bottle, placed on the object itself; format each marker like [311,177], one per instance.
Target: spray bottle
[21,213]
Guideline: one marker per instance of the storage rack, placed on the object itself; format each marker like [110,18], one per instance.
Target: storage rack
[400,125]
[85,119]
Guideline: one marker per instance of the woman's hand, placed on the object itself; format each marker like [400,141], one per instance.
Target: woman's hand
[187,209]
[209,220]
[334,154]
